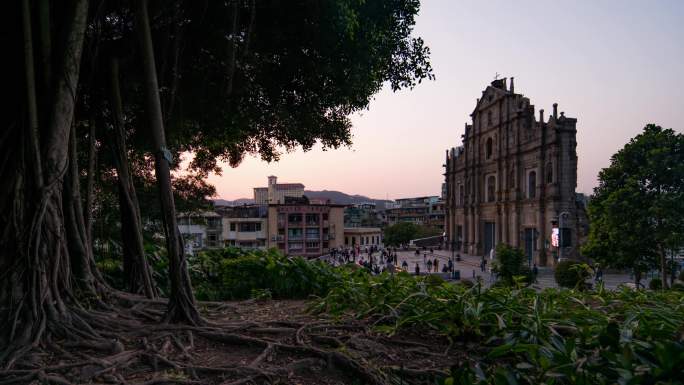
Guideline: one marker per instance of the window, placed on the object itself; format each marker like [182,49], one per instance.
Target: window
[489,118]
[294,218]
[312,219]
[346,240]
[549,172]
[491,188]
[294,234]
[511,179]
[461,197]
[312,233]
[250,227]
[532,184]
[488,148]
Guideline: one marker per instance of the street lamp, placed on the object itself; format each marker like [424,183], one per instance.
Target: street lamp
[560,234]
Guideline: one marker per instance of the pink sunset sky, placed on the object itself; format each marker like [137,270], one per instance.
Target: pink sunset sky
[613,65]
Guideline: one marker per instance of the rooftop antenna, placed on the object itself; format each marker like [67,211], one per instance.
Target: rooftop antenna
[496,76]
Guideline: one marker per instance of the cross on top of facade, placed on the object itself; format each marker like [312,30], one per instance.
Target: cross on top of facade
[496,76]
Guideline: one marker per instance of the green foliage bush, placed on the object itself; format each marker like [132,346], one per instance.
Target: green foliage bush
[403,232]
[557,336]
[655,284]
[511,263]
[679,286]
[231,273]
[434,280]
[571,274]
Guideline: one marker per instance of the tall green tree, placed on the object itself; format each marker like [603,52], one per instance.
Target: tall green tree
[637,211]
[403,232]
[220,79]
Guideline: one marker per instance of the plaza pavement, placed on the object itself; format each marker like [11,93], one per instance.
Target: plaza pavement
[469,268]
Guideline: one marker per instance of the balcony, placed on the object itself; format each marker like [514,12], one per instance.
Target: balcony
[312,223]
[295,237]
[277,238]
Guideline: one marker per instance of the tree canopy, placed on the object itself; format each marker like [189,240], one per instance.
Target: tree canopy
[636,211]
[403,232]
[109,94]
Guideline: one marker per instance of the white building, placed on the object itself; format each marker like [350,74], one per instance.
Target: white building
[275,193]
[200,230]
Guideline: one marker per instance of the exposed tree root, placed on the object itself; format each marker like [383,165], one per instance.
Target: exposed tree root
[122,345]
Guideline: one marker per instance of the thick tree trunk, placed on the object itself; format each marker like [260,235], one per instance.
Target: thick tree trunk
[136,269]
[181,307]
[79,252]
[90,183]
[33,245]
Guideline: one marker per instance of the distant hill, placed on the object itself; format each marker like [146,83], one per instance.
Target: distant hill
[237,202]
[334,196]
[345,199]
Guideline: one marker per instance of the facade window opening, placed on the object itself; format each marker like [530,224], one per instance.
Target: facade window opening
[461,195]
[488,148]
[549,172]
[532,184]
[491,184]
[511,179]
[489,118]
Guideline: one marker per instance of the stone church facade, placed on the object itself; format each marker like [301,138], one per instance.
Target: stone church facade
[513,180]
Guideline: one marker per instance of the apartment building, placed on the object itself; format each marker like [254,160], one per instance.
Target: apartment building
[298,227]
[200,230]
[245,226]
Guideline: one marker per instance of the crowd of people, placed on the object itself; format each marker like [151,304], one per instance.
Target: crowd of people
[378,259]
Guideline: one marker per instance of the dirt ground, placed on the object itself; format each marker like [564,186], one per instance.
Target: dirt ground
[248,342]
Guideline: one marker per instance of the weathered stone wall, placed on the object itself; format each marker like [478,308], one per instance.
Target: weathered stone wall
[512,178]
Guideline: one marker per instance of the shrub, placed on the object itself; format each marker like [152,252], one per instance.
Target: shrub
[572,274]
[679,286]
[239,274]
[466,283]
[434,280]
[510,263]
[655,284]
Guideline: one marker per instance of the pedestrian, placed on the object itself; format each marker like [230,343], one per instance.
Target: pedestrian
[535,271]
[404,266]
[599,274]
[417,269]
[429,265]
[436,265]
[450,265]
[424,259]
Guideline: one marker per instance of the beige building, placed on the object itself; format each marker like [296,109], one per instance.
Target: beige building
[362,236]
[245,226]
[513,180]
[305,229]
[275,193]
